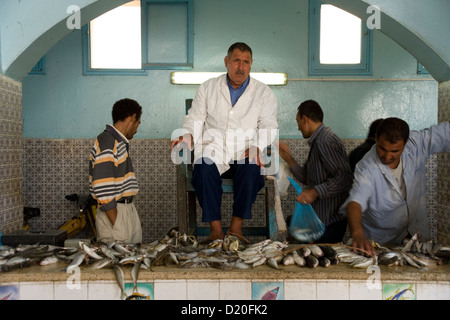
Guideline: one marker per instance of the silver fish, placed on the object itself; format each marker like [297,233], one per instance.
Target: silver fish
[272,263]
[77,260]
[288,260]
[49,260]
[101,263]
[300,261]
[135,274]
[304,252]
[316,251]
[120,280]
[89,251]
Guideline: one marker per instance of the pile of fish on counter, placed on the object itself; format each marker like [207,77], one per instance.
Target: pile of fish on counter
[184,251]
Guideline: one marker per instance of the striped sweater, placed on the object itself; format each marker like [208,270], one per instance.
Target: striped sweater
[111,174]
[328,171]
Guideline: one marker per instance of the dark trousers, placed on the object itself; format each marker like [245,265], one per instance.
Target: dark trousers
[247,181]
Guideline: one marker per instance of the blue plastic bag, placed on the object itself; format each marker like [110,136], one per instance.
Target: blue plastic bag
[305,224]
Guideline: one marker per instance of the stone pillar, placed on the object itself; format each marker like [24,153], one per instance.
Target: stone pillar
[443,169]
[11,151]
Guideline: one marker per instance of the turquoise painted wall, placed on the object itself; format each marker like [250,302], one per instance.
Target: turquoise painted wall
[65,104]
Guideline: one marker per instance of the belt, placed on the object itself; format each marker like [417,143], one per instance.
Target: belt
[125,200]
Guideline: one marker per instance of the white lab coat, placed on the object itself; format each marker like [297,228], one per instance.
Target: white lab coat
[222,132]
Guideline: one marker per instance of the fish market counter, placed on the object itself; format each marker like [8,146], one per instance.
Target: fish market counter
[339,281]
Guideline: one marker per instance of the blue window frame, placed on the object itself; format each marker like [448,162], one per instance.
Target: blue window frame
[317,68]
[168,34]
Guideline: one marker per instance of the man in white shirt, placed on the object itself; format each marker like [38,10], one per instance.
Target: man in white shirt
[229,124]
[388,197]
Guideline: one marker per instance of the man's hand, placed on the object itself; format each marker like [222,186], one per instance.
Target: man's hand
[187,138]
[307,196]
[285,154]
[360,242]
[354,218]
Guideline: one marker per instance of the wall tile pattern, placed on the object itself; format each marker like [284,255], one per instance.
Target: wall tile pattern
[443,168]
[11,166]
[55,168]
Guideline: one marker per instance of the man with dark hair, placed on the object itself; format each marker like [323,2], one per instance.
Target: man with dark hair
[326,174]
[228,124]
[112,180]
[388,197]
[359,152]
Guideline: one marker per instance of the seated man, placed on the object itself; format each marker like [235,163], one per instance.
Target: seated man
[226,123]
[388,197]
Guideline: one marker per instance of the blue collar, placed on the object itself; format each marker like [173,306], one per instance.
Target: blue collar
[236,93]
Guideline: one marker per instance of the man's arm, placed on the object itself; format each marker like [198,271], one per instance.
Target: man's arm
[354,219]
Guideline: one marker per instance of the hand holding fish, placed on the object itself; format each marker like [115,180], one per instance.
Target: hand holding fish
[361,242]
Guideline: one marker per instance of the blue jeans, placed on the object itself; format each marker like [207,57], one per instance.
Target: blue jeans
[247,181]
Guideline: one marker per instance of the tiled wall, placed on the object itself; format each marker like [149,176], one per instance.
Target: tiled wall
[230,289]
[11,149]
[443,169]
[55,168]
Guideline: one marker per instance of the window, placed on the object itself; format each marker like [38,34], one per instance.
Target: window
[168,34]
[112,42]
[140,35]
[339,42]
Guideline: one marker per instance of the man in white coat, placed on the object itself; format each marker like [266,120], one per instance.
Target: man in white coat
[231,121]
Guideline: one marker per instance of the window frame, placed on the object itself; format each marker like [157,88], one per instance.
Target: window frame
[88,70]
[315,68]
[189,63]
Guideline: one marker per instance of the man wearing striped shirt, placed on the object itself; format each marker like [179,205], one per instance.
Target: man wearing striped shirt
[112,179]
[326,174]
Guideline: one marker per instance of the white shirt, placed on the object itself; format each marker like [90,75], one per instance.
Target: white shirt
[223,132]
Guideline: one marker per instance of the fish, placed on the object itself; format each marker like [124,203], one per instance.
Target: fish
[99,264]
[49,260]
[77,260]
[120,280]
[300,261]
[135,274]
[324,262]
[304,252]
[288,260]
[138,296]
[89,251]
[311,261]
[363,262]
[272,263]
[316,251]
[328,252]
[399,294]
[271,294]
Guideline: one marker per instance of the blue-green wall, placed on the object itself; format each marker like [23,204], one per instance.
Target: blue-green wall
[65,104]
